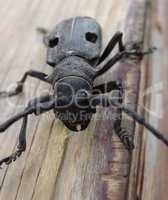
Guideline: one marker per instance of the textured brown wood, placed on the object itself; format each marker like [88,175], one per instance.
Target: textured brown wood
[149,164]
[59,164]
[155,178]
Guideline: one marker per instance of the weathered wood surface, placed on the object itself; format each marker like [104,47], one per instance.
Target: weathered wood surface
[149,165]
[154,184]
[59,164]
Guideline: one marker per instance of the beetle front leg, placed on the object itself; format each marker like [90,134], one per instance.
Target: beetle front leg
[19,88]
[101,69]
[116,39]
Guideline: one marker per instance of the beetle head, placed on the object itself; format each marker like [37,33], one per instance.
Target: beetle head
[80,36]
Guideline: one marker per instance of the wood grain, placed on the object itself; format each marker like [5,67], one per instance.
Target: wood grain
[155,181]
[59,164]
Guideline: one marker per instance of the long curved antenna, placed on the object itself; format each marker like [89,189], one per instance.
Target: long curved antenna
[106,101]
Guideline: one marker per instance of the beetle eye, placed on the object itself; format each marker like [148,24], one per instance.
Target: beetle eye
[53,42]
[91,37]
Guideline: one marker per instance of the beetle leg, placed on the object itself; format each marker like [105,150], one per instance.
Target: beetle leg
[36,106]
[118,56]
[21,146]
[121,132]
[116,39]
[105,100]
[124,136]
[107,87]
[103,68]
[19,88]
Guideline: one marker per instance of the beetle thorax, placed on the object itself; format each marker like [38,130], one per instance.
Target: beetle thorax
[73,66]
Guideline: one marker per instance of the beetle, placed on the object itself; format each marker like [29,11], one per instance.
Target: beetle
[74,52]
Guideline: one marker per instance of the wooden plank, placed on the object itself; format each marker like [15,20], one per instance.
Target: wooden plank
[137,164]
[149,169]
[59,164]
[155,181]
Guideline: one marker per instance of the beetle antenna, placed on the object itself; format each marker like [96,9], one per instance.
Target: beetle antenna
[104,100]
[142,121]
[42,30]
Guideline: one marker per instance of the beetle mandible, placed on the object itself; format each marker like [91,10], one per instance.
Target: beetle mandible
[74,52]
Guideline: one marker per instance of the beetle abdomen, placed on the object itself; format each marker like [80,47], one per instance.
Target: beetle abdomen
[76,110]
